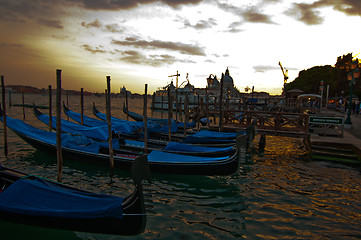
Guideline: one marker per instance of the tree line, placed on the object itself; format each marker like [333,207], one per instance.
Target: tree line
[309,81]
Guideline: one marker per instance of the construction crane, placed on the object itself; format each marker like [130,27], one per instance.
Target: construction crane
[183,83]
[285,75]
[176,75]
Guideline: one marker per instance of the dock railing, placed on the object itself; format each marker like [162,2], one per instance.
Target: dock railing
[270,123]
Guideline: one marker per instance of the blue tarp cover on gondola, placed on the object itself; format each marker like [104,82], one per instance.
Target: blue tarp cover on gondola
[213,134]
[154,125]
[181,147]
[77,142]
[205,136]
[88,121]
[164,157]
[99,133]
[42,198]
[174,124]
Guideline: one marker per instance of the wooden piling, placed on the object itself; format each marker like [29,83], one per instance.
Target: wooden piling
[126,103]
[215,110]
[82,106]
[50,107]
[180,110]
[186,101]
[207,107]
[176,105]
[108,113]
[220,106]
[198,112]
[262,143]
[22,95]
[58,125]
[153,100]
[145,120]
[67,101]
[4,117]
[161,107]
[9,94]
[169,114]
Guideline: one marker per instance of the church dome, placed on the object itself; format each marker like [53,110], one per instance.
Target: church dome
[227,79]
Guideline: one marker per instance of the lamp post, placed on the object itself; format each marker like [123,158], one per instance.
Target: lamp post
[351,76]
[321,90]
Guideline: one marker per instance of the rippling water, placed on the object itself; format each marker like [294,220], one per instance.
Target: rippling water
[275,195]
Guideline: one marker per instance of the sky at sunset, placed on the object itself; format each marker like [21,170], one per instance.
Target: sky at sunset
[139,42]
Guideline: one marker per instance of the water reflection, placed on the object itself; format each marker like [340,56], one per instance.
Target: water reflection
[279,194]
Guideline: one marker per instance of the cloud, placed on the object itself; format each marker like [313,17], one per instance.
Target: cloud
[155,60]
[114,28]
[310,14]
[162,45]
[251,14]
[305,13]
[202,24]
[93,50]
[209,61]
[50,23]
[234,27]
[96,24]
[39,10]
[350,7]
[129,4]
[264,68]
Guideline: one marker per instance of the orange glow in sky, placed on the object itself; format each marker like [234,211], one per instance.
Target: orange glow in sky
[143,42]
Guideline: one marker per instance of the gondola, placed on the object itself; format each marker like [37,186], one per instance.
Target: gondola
[79,147]
[139,118]
[212,138]
[127,143]
[202,137]
[153,127]
[41,202]
[97,133]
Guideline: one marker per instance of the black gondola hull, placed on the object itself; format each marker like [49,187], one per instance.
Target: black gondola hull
[133,221]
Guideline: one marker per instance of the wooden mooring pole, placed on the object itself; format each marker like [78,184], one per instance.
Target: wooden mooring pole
[67,101]
[58,125]
[161,107]
[126,103]
[153,101]
[82,106]
[9,94]
[180,110]
[108,107]
[220,106]
[22,95]
[207,107]
[4,117]
[50,108]
[145,120]
[169,114]
[186,101]
[176,105]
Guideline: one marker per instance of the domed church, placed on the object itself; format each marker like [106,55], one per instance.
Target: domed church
[214,85]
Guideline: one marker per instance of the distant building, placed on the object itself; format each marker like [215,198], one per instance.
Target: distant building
[124,91]
[214,85]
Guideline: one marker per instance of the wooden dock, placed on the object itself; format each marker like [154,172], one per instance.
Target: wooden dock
[323,134]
